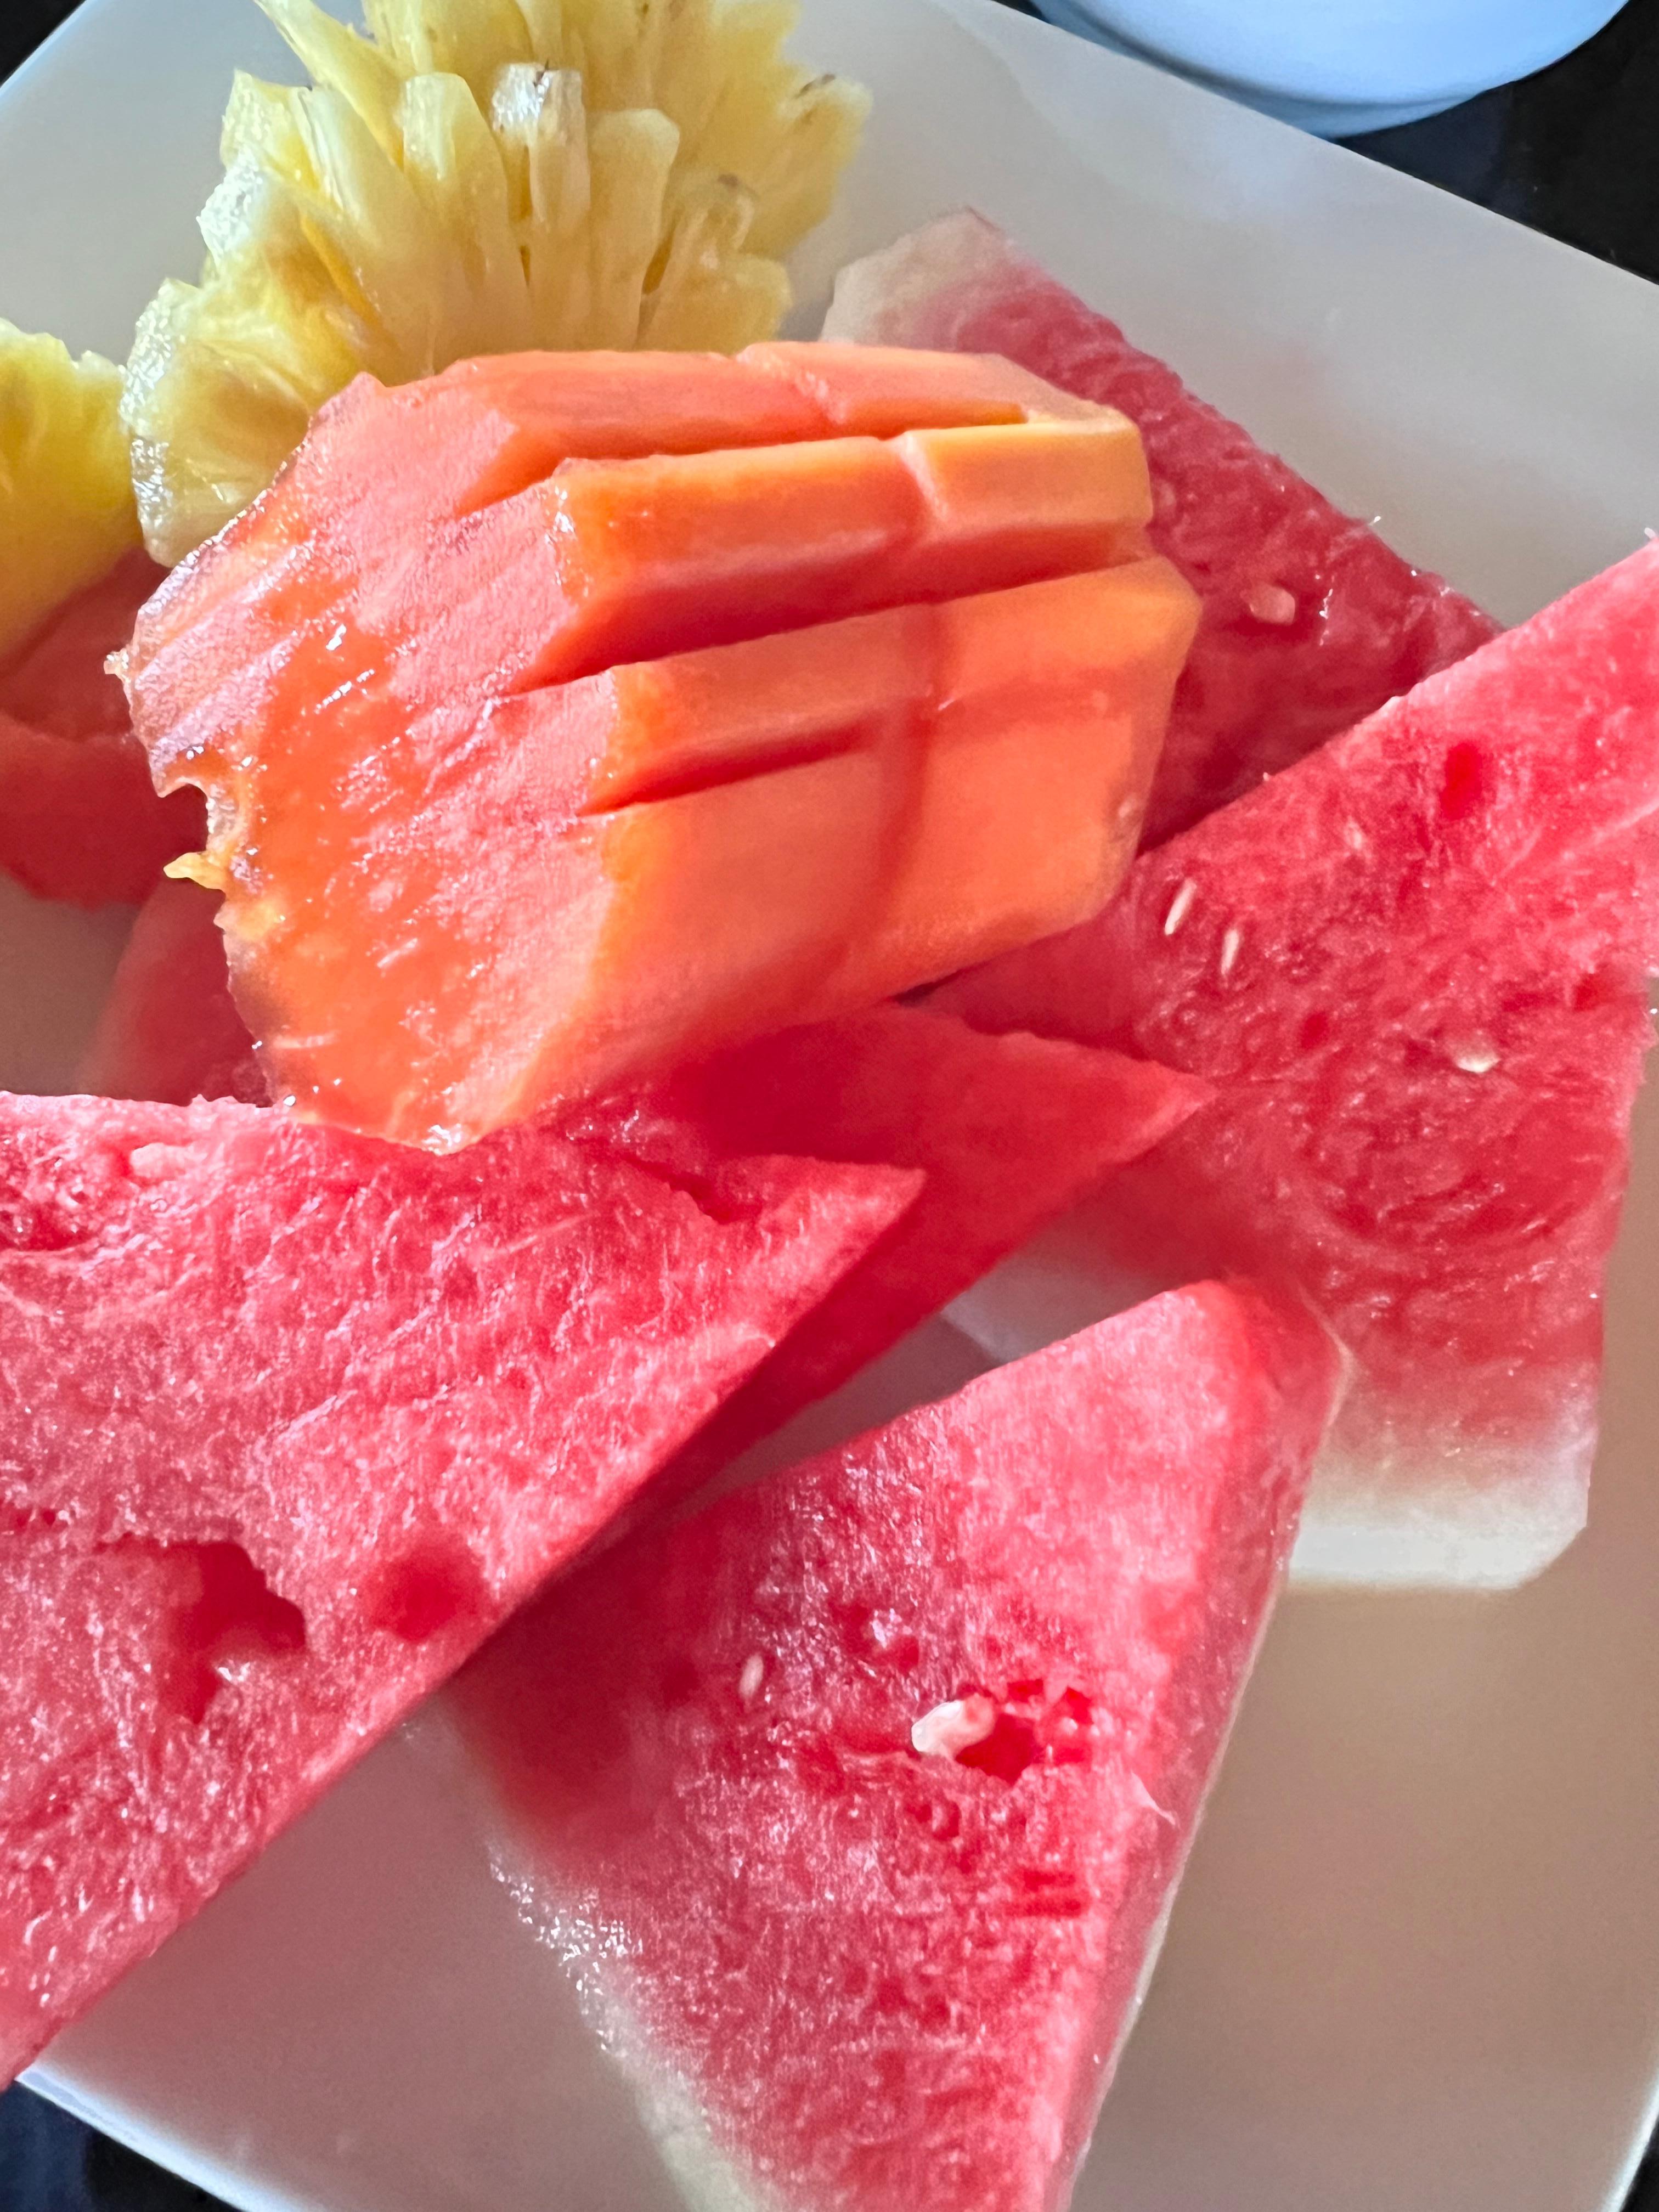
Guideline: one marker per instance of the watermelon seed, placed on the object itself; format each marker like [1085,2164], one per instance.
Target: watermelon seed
[158,1163]
[1477,1056]
[1180,906]
[954,1727]
[751,1678]
[1272,604]
[1230,943]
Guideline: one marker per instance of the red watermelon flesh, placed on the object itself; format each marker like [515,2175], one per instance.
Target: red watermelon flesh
[1309,620]
[169,1030]
[857,1801]
[1010,1131]
[288,1423]
[79,816]
[1415,968]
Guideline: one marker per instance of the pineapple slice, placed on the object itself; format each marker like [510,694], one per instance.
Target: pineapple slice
[472,177]
[66,507]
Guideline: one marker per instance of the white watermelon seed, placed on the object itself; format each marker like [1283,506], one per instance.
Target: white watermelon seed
[1180,906]
[954,1727]
[1272,604]
[753,1675]
[1476,1057]
[157,1162]
[1231,945]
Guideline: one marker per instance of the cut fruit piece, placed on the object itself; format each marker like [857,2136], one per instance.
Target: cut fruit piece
[983,789]
[79,819]
[293,1421]
[1010,1131]
[475,179]
[66,507]
[856,1803]
[169,1031]
[1415,968]
[1033,780]
[618,560]
[522,453]
[483,851]
[1310,622]
[383,468]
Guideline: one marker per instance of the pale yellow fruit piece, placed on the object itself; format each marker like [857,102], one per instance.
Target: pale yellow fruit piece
[66,504]
[473,177]
[711,296]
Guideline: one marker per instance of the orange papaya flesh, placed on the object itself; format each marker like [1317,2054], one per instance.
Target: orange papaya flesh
[1049,712]
[714,910]
[518,791]
[609,561]
[876,391]
[484,429]
[381,463]
[689,852]
[654,729]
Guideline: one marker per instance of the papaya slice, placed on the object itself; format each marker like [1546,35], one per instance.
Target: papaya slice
[521,791]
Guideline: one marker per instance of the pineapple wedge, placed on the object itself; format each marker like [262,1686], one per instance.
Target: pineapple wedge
[66,507]
[472,177]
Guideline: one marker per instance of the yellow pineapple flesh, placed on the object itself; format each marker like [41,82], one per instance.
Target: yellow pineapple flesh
[472,177]
[66,504]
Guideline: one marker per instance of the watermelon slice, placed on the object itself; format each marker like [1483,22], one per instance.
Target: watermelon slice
[1310,621]
[1415,968]
[1010,1131]
[169,1030]
[856,1802]
[79,818]
[288,1423]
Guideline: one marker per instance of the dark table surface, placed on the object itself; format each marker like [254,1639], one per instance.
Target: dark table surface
[1573,151]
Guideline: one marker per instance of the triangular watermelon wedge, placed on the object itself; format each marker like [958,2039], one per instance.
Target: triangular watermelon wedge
[856,1802]
[1415,968]
[1309,620]
[288,1423]
[1010,1132]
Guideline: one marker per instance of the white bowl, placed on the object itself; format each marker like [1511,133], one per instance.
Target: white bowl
[1339,67]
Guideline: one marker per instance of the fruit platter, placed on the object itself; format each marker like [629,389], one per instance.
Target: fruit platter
[829,855]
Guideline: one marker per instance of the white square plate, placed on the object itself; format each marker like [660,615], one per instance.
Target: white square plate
[1415,1967]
